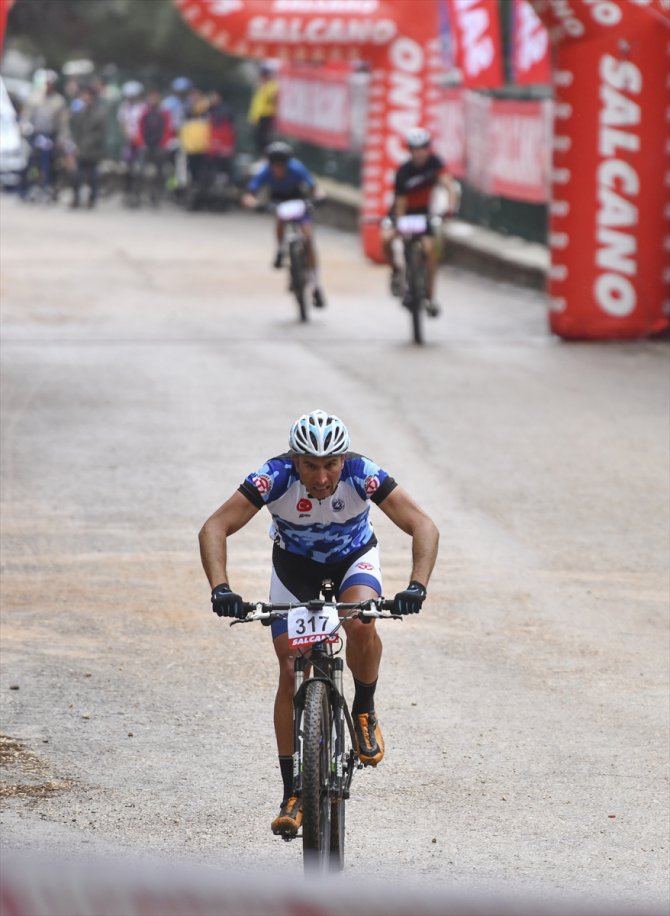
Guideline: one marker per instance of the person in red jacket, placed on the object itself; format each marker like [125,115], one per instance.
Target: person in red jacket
[155,132]
[222,135]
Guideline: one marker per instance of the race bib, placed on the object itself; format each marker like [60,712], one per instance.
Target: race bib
[306,627]
[291,209]
[412,223]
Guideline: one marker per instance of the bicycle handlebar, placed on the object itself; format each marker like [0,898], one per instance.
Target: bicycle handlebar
[268,611]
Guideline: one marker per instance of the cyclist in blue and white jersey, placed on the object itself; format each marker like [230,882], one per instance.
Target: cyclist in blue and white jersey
[319,495]
[288,179]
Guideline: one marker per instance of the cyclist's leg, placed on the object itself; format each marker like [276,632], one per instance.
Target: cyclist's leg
[279,235]
[363,653]
[310,248]
[429,247]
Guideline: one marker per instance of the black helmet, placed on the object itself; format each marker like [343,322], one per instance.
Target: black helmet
[279,151]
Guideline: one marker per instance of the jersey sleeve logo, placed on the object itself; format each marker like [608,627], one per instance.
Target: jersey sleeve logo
[263,483]
[367,566]
[371,484]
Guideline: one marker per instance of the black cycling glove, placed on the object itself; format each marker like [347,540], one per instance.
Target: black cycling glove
[226,603]
[409,601]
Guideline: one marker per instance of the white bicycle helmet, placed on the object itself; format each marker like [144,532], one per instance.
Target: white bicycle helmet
[320,434]
[418,137]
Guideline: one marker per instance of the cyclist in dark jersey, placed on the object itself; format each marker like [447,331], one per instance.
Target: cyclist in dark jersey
[415,182]
[319,495]
[288,179]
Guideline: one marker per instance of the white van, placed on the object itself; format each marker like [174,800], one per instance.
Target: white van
[12,147]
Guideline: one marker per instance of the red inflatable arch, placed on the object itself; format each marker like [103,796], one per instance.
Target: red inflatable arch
[610,209]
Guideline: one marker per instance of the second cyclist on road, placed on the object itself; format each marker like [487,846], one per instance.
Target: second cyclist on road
[415,183]
[288,179]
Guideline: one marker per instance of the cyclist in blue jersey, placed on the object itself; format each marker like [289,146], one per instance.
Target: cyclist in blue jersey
[288,179]
[319,495]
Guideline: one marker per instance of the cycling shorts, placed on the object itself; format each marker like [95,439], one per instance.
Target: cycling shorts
[296,578]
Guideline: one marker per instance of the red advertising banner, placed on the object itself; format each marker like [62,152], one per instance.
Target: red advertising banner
[531,58]
[610,208]
[476,44]
[450,136]
[519,161]
[315,105]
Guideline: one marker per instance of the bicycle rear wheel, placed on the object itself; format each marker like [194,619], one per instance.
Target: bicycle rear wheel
[299,276]
[316,804]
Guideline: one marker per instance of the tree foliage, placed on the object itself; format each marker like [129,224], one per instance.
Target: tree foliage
[140,36]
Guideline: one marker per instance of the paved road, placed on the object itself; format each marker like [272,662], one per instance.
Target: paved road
[150,360]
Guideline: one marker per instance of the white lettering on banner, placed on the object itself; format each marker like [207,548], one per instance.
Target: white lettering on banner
[604,12]
[321,30]
[618,180]
[407,61]
[477,46]
[533,38]
[566,16]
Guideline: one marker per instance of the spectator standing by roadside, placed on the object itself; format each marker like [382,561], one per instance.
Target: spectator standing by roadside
[45,124]
[194,136]
[89,136]
[176,103]
[155,133]
[263,108]
[222,137]
[130,111]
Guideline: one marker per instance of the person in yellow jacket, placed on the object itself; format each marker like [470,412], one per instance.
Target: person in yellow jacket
[263,108]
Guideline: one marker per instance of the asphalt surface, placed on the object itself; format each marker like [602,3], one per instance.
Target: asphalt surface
[150,360]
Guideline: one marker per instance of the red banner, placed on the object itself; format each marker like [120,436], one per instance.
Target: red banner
[475,33]
[519,161]
[531,59]
[450,136]
[315,105]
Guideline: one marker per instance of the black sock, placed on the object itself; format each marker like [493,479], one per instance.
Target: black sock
[286,767]
[364,698]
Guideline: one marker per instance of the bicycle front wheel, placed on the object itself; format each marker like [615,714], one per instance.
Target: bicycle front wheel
[316,805]
[417,283]
[299,276]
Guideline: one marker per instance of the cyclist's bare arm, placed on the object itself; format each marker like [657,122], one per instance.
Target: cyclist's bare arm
[410,518]
[400,206]
[229,518]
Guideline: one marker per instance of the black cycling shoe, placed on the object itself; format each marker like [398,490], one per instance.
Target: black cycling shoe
[432,308]
[318,300]
[279,260]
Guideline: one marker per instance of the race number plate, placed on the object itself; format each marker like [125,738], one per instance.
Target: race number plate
[306,627]
[291,209]
[412,223]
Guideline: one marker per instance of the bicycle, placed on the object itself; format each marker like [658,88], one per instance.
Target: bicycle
[412,228]
[325,755]
[291,213]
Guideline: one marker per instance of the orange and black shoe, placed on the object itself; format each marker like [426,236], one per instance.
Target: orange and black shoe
[289,820]
[369,740]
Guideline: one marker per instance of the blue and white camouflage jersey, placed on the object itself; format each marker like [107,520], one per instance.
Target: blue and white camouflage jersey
[327,530]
